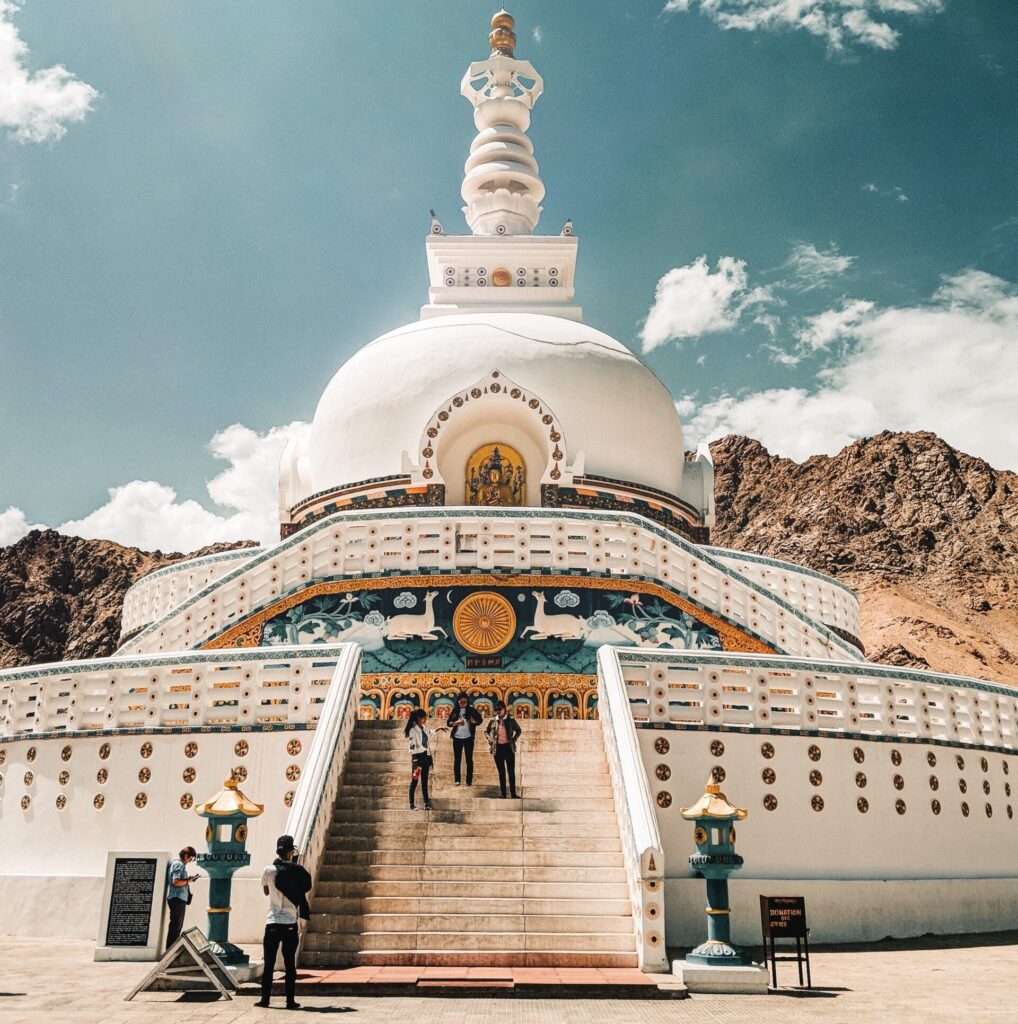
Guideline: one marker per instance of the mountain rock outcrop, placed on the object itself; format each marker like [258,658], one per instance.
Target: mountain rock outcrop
[61,597]
[927,536]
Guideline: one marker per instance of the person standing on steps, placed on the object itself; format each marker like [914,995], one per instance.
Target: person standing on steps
[287,884]
[421,759]
[463,723]
[502,732]
[178,892]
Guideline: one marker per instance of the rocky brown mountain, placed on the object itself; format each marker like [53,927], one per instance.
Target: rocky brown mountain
[927,536]
[61,597]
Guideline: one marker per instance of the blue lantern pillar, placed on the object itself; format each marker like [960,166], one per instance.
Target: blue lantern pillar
[715,858]
[227,814]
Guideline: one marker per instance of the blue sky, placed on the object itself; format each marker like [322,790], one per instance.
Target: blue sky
[809,227]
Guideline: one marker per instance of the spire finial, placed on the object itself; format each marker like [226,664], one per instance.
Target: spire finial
[502,38]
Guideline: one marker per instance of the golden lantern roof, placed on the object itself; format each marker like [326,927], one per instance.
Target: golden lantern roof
[502,38]
[713,804]
[229,801]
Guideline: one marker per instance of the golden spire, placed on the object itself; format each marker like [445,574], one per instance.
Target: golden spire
[713,804]
[229,800]
[502,38]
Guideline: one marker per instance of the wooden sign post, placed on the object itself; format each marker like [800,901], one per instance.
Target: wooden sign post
[784,917]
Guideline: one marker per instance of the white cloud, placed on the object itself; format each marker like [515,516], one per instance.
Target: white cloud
[813,267]
[949,365]
[36,106]
[895,192]
[819,331]
[148,515]
[694,300]
[842,24]
[14,526]
[537,34]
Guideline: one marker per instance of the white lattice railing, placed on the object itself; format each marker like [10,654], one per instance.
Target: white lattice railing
[744,691]
[819,596]
[641,842]
[206,688]
[311,812]
[504,540]
[155,594]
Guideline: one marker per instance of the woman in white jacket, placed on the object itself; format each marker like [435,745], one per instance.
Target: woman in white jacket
[419,737]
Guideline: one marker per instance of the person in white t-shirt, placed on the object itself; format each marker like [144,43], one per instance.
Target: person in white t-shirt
[286,884]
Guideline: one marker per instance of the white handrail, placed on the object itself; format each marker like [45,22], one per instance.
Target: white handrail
[641,839]
[310,814]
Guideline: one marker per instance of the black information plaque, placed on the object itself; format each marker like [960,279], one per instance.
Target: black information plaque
[134,884]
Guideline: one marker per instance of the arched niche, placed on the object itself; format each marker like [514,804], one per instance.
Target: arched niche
[495,410]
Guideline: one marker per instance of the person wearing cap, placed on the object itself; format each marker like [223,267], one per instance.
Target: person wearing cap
[286,883]
[502,732]
[463,723]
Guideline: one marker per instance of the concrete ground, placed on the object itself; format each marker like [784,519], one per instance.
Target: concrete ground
[969,979]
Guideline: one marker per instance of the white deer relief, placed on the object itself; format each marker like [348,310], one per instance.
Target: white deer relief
[563,627]
[404,627]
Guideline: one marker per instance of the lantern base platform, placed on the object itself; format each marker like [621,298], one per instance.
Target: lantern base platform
[737,977]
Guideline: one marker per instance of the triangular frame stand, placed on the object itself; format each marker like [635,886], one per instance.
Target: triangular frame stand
[190,959]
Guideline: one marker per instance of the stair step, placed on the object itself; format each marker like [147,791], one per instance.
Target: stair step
[454,940]
[334,924]
[344,906]
[472,803]
[516,857]
[451,889]
[467,958]
[506,874]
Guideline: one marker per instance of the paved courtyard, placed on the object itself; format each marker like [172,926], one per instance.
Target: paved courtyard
[897,983]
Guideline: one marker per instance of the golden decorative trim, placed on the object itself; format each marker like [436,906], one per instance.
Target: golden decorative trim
[248,633]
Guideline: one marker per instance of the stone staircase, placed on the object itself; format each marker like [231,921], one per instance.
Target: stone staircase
[478,881]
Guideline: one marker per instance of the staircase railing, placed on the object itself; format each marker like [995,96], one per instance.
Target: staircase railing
[311,811]
[641,841]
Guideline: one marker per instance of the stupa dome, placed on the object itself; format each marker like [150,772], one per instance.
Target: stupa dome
[614,417]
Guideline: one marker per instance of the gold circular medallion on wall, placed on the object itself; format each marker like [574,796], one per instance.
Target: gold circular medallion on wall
[984,764]
[661,745]
[186,802]
[816,778]
[146,750]
[770,801]
[144,775]
[1003,764]
[768,775]
[104,751]
[895,757]
[293,772]
[293,748]
[859,754]
[663,772]
[717,773]
[898,782]
[963,785]
[26,802]
[931,759]
[935,806]
[65,754]
[814,752]
[767,750]
[960,762]
[30,754]
[101,776]
[860,779]
[862,804]
[899,806]
[140,800]
[699,835]
[98,801]
[484,622]
[190,749]
[964,809]
[189,775]
[989,811]
[664,799]
[3,758]
[288,798]
[64,777]
[717,749]
[986,787]
[61,802]
[817,803]
[501,278]
[29,778]
[934,783]
[240,748]
[240,773]
[1010,811]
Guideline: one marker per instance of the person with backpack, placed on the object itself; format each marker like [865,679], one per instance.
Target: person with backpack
[502,732]
[287,884]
